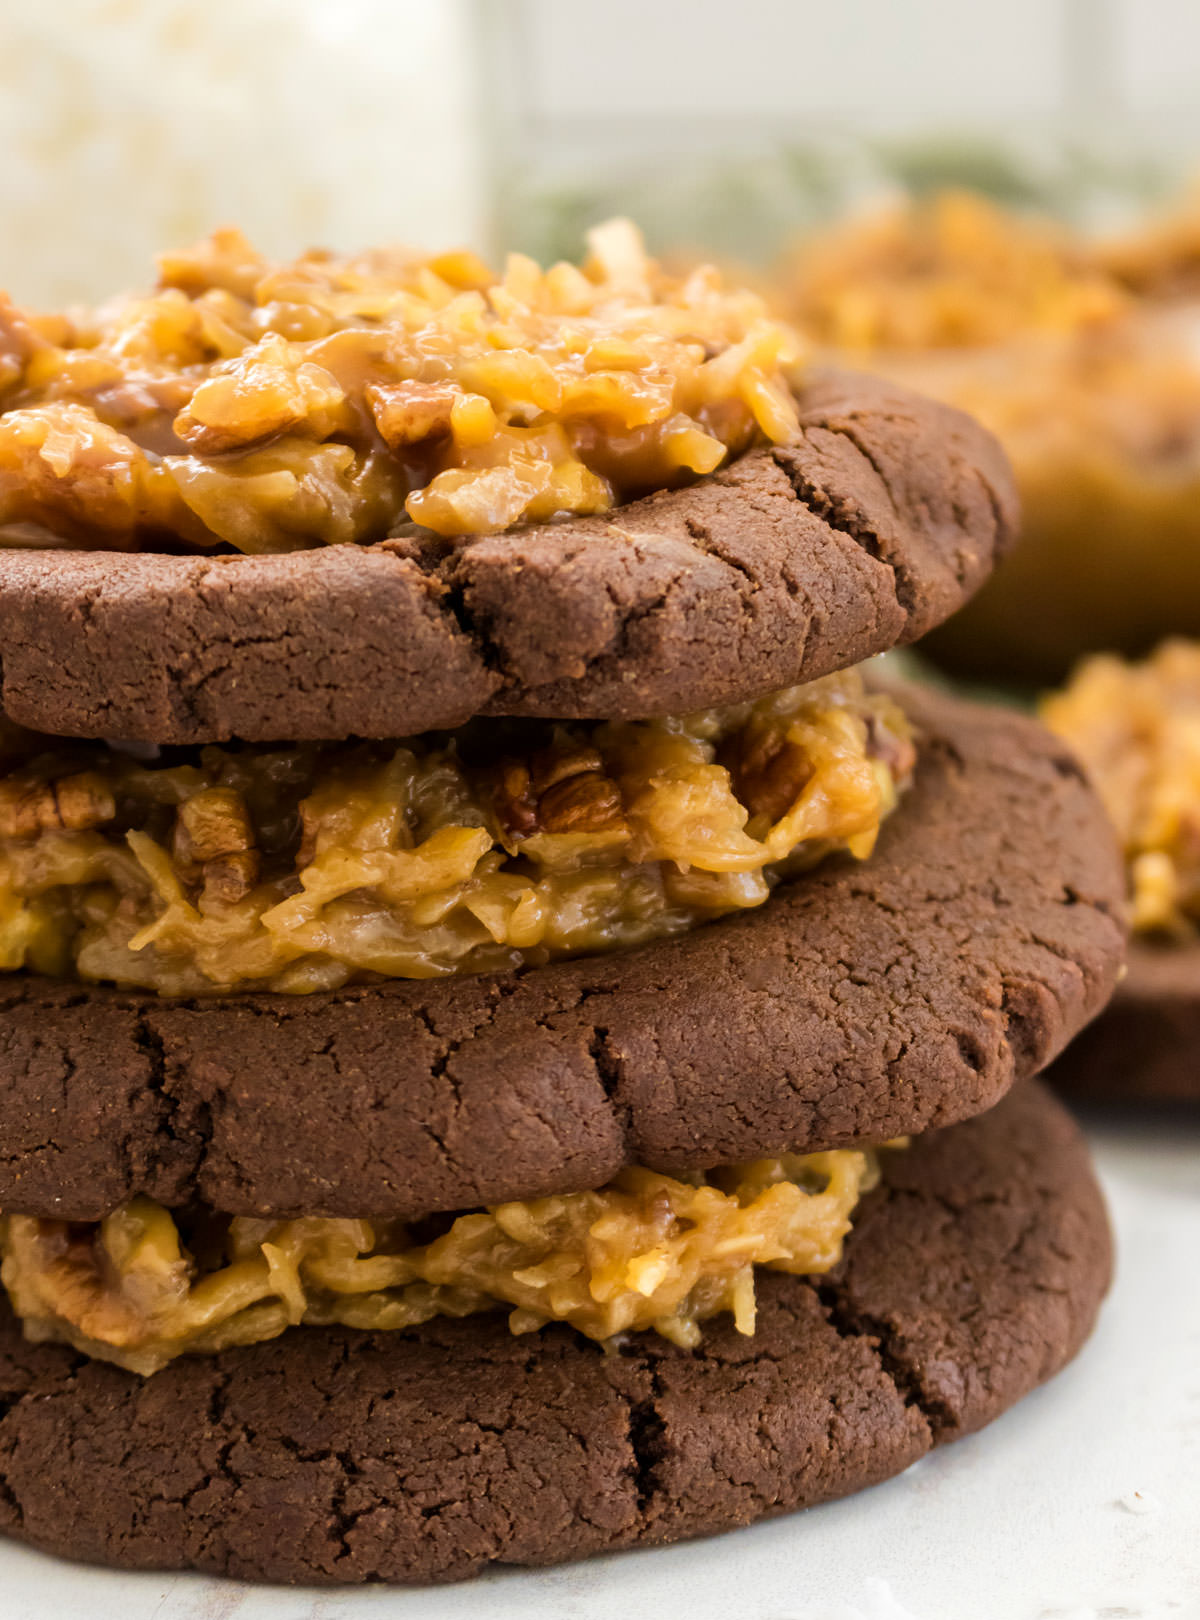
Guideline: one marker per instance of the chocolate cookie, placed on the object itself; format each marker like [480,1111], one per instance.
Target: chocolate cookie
[1146,1046]
[876,523]
[864,1000]
[973,1273]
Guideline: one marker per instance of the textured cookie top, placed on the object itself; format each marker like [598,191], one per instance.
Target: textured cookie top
[876,520]
[863,1001]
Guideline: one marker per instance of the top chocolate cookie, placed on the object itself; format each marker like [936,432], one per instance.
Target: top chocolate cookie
[605,493]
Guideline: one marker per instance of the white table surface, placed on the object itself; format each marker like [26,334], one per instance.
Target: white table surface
[1081,1504]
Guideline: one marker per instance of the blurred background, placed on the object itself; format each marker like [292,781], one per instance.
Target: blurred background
[732,127]
[129,125]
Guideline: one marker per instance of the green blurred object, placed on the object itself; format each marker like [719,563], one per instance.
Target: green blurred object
[687,123]
[749,205]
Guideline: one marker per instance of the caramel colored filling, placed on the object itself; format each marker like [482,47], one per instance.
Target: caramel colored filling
[1092,387]
[271,407]
[1025,327]
[1136,727]
[648,1251]
[1160,257]
[302,868]
[949,271]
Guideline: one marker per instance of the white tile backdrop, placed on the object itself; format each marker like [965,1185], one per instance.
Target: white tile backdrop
[127,124]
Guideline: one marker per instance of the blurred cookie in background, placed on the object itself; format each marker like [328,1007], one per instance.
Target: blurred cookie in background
[1084,358]
[1136,729]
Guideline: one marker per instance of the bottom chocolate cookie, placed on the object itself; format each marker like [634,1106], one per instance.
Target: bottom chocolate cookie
[973,1273]
[1145,1047]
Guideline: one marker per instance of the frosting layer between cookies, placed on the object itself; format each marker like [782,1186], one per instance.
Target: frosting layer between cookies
[648,1251]
[303,868]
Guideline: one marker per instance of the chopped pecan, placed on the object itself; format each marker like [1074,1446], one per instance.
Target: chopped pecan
[561,790]
[229,878]
[26,808]
[514,800]
[310,827]
[71,804]
[64,469]
[550,766]
[212,823]
[768,771]
[407,412]
[83,801]
[587,803]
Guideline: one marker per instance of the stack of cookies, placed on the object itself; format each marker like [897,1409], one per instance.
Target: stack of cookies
[513,1045]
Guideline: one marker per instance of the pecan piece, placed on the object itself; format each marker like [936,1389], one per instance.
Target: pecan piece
[72,804]
[550,766]
[230,878]
[83,801]
[586,803]
[214,844]
[561,790]
[767,769]
[514,800]
[311,820]
[407,412]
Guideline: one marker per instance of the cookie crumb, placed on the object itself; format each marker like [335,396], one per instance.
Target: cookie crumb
[1138,1502]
